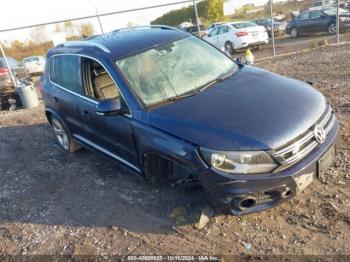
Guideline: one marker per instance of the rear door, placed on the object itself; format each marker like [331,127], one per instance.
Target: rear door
[65,76]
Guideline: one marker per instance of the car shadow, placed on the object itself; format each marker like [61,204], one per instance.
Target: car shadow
[41,184]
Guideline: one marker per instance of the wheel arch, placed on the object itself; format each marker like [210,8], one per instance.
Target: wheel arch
[154,143]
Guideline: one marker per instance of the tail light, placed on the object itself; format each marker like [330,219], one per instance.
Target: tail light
[3,71]
[243,33]
[40,84]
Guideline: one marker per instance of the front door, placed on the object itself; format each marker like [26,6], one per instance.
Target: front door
[113,135]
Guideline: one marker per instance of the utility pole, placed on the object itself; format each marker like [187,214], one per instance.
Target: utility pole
[7,65]
[99,20]
[197,19]
[338,6]
[272,30]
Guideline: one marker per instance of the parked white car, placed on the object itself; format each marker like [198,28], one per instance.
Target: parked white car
[34,65]
[232,36]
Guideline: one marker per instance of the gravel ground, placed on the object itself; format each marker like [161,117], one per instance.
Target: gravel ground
[57,203]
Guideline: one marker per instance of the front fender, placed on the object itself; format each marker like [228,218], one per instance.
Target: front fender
[151,140]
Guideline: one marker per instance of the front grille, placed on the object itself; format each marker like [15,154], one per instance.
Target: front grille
[305,144]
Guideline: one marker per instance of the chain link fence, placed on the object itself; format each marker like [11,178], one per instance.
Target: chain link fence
[287,26]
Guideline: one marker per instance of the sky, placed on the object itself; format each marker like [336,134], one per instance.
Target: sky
[17,13]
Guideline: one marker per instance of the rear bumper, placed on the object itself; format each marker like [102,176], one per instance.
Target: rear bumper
[252,44]
[268,190]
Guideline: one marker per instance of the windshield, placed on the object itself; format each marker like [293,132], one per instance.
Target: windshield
[333,11]
[172,70]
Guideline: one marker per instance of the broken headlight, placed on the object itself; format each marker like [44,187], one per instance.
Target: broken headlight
[239,162]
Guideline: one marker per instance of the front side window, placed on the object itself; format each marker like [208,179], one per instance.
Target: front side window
[304,16]
[172,70]
[315,14]
[214,32]
[65,72]
[98,84]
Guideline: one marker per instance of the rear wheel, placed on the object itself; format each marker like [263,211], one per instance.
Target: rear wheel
[294,32]
[229,48]
[63,136]
[332,28]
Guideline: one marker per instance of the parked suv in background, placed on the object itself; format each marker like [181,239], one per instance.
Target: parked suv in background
[316,21]
[170,107]
[237,35]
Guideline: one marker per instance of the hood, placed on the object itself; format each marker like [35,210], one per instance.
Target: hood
[253,110]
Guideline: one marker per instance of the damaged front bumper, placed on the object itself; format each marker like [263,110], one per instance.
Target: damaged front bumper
[244,194]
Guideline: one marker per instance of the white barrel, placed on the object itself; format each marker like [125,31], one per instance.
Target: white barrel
[28,95]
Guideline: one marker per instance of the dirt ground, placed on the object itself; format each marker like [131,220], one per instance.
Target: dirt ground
[57,203]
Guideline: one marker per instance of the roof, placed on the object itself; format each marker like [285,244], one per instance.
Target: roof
[125,42]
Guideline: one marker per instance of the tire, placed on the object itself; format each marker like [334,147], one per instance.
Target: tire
[294,32]
[229,48]
[332,28]
[63,136]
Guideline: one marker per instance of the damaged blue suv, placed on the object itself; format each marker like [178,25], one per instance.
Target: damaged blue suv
[170,107]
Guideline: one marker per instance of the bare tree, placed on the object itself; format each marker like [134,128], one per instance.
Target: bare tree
[39,34]
[86,29]
[57,28]
[69,28]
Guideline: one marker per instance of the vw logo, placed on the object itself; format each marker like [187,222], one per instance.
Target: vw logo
[320,134]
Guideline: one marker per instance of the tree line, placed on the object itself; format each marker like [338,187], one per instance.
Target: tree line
[39,39]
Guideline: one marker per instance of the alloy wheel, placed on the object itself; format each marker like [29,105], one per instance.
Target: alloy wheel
[332,29]
[60,134]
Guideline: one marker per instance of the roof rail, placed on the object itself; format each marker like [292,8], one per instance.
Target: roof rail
[85,44]
[165,27]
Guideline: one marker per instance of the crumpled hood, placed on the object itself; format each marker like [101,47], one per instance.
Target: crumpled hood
[253,110]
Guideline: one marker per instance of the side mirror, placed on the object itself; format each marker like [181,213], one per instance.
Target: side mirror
[109,107]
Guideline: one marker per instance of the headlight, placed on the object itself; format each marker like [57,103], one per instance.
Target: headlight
[268,27]
[239,162]
[343,19]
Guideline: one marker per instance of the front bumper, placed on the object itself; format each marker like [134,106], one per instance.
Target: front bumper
[262,191]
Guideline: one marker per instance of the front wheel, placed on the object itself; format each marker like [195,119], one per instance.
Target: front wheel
[332,28]
[294,32]
[229,48]
[63,136]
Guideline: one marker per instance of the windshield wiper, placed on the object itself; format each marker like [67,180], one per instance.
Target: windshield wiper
[221,78]
[184,95]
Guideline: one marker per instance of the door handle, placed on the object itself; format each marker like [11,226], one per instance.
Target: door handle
[55,99]
[86,114]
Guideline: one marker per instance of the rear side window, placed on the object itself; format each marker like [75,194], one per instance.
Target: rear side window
[224,29]
[65,72]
